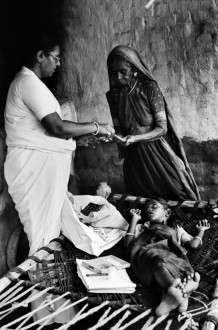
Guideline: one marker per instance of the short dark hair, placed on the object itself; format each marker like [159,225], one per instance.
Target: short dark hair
[40,41]
[171,221]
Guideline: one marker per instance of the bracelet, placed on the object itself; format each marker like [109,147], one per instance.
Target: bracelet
[130,234]
[200,239]
[97,128]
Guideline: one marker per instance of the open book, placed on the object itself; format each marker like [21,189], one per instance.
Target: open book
[100,283]
[102,264]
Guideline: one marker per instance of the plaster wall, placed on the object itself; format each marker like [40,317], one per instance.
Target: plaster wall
[178,41]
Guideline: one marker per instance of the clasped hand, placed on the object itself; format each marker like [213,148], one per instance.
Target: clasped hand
[136,214]
[107,130]
[124,141]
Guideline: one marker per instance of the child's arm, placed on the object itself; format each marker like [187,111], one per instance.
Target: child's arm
[130,235]
[196,241]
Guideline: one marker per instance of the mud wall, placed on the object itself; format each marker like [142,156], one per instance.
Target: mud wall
[178,41]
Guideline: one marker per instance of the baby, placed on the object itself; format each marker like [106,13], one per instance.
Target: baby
[158,253]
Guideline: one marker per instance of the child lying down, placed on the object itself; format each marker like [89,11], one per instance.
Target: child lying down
[158,253]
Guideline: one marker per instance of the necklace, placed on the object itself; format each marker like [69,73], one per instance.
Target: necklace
[133,87]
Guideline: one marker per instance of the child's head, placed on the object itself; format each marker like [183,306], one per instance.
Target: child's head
[157,210]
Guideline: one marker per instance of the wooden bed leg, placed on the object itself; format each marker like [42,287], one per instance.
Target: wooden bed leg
[28,264]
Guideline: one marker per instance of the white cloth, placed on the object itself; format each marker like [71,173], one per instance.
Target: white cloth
[93,240]
[37,166]
[37,170]
[29,100]
[107,217]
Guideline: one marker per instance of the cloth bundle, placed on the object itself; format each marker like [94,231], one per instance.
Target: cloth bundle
[93,233]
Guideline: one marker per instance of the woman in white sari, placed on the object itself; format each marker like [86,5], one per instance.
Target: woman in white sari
[40,144]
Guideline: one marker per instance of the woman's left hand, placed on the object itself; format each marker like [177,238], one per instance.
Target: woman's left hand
[130,139]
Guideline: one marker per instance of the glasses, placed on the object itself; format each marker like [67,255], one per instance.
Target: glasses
[56,58]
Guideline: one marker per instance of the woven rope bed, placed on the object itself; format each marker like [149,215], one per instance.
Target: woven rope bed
[58,275]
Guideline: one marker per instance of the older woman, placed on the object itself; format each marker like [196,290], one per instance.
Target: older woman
[40,144]
[155,164]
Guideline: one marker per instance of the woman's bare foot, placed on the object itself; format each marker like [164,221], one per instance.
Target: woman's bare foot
[172,299]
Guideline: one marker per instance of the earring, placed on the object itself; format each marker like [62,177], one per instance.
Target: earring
[135,74]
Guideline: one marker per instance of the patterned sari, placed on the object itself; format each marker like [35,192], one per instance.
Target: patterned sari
[156,167]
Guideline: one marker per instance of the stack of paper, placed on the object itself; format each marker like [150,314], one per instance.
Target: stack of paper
[99,283]
[102,264]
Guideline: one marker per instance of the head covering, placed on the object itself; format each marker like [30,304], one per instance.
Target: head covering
[130,55]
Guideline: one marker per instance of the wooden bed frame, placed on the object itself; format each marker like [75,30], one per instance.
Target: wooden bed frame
[64,262]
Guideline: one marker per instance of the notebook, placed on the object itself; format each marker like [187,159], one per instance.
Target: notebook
[98,283]
[102,264]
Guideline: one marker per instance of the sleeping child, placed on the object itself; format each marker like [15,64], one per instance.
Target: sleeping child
[158,253]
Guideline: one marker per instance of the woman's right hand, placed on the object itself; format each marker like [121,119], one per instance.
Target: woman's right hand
[106,129]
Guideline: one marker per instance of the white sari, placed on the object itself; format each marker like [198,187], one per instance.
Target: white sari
[37,170]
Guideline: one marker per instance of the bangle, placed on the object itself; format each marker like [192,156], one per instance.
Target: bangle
[130,234]
[200,239]
[96,131]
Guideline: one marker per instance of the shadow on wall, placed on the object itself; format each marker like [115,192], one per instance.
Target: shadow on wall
[19,20]
[93,165]
[203,160]
[98,164]
[9,222]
